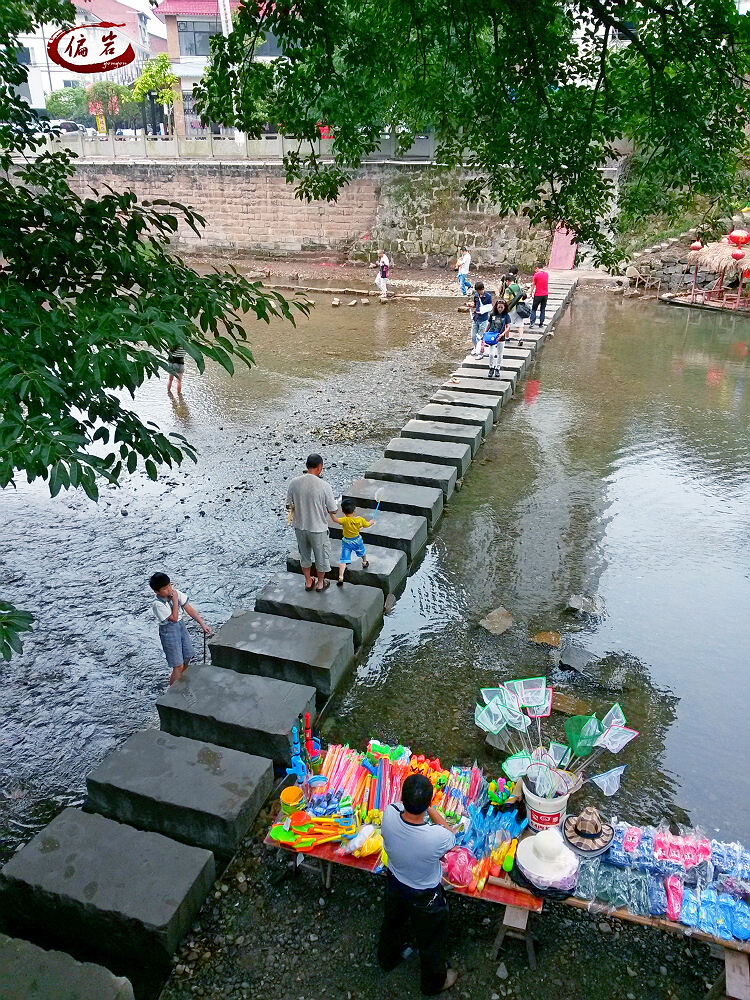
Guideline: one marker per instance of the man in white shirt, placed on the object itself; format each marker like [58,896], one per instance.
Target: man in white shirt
[311,500]
[414,890]
[463,263]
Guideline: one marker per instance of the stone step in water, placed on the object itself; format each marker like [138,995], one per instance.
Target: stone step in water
[510,369]
[399,531]
[532,340]
[199,793]
[401,498]
[28,972]
[102,890]
[240,711]
[357,608]
[503,387]
[438,430]
[509,354]
[520,343]
[471,416]
[301,652]
[416,473]
[386,569]
[446,397]
[420,450]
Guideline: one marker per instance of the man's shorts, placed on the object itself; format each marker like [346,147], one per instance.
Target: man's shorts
[350,547]
[314,547]
[176,643]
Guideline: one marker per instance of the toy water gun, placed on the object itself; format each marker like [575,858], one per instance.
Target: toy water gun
[298,768]
[510,856]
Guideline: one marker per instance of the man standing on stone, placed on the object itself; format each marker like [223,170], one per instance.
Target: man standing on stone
[311,500]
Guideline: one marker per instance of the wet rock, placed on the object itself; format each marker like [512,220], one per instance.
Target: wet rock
[497,621]
[364,302]
[586,605]
[575,657]
[335,302]
[502,972]
[546,638]
[604,928]
[352,303]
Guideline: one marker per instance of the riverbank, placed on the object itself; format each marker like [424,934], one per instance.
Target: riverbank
[266,940]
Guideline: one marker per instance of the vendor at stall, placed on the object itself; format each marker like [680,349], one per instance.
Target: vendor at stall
[414,890]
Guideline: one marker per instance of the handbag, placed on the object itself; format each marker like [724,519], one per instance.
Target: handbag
[523,311]
[491,337]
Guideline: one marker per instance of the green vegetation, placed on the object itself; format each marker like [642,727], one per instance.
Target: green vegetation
[157,75]
[70,104]
[86,316]
[531,97]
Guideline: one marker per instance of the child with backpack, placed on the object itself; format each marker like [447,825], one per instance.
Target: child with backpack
[496,335]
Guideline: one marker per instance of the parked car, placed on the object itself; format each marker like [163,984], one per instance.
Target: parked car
[60,125]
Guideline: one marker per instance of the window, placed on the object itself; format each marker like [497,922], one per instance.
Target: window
[194,35]
[270,47]
[72,83]
[24,56]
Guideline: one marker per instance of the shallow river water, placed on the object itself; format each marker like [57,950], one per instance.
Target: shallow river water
[621,471]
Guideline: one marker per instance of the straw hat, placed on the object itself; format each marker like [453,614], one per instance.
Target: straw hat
[545,860]
[586,834]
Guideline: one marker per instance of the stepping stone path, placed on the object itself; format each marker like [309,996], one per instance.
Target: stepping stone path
[87,884]
[31,973]
[302,652]
[102,889]
[240,711]
[199,793]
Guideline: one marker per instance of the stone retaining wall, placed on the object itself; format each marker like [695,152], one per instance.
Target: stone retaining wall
[414,212]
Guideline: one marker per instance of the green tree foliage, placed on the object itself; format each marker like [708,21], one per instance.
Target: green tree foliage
[70,104]
[91,301]
[531,96]
[157,75]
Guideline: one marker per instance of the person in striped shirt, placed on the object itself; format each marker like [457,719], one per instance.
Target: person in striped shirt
[176,368]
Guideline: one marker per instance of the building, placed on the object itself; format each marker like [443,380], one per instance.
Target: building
[44,75]
[190,24]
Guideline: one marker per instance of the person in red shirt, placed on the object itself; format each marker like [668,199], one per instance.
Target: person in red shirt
[540,290]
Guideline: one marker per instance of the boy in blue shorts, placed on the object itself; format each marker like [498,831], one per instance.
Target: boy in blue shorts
[168,607]
[351,543]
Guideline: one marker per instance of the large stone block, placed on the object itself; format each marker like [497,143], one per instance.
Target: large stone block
[510,370]
[422,450]
[240,711]
[386,569]
[416,473]
[302,652]
[423,501]
[509,353]
[461,400]
[502,387]
[439,430]
[357,608]
[103,890]
[469,416]
[399,531]
[28,972]
[196,792]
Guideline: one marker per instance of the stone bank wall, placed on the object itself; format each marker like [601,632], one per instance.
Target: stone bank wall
[413,211]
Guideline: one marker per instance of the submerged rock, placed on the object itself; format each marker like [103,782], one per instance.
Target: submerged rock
[497,621]
[546,639]
[575,657]
[586,605]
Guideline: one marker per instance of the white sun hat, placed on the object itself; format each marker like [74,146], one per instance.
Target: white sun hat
[547,862]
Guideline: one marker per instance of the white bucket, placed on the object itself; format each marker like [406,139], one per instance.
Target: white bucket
[544,813]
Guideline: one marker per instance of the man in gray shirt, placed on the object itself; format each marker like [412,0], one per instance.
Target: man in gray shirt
[414,891]
[311,501]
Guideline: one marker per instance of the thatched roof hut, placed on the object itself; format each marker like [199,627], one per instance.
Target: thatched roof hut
[717,257]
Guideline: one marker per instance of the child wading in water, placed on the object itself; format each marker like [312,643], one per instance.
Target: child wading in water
[168,607]
[351,543]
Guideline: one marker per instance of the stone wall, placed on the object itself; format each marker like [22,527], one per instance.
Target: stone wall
[413,211]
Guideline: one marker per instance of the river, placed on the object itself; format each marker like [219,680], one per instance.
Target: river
[621,471]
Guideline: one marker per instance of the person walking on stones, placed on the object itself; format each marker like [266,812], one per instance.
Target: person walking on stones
[414,892]
[175,640]
[479,318]
[311,500]
[540,291]
[351,540]
[384,270]
[496,335]
[514,295]
[463,263]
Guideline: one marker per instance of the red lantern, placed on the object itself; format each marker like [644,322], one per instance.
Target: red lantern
[696,246]
[746,274]
[738,254]
[739,237]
